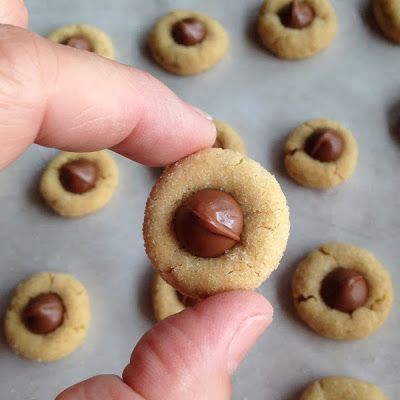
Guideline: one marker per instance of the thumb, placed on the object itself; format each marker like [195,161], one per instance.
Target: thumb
[190,355]
[196,351]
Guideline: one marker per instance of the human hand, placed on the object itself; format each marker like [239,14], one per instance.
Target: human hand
[190,355]
[58,96]
[73,100]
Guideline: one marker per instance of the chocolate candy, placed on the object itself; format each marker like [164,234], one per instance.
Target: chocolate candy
[217,144]
[344,289]
[79,42]
[186,300]
[189,32]
[209,223]
[325,145]
[78,176]
[297,15]
[44,313]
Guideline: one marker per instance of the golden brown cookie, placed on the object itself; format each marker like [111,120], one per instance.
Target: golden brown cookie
[295,30]
[48,317]
[188,42]
[387,15]
[255,250]
[228,138]
[166,300]
[320,154]
[364,287]
[83,36]
[342,388]
[77,184]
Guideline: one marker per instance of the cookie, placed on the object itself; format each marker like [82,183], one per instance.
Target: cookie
[84,37]
[342,292]
[48,317]
[188,42]
[166,300]
[215,221]
[387,15]
[77,184]
[228,138]
[342,388]
[320,154]
[295,30]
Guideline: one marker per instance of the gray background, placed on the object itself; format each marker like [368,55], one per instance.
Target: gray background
[356,81]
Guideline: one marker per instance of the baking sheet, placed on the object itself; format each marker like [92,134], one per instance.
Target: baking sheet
[356,81]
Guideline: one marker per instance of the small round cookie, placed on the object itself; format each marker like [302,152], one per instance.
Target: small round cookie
[228,138]
[296,29]
[48,317]
[342,388]
[166,300]
[215,221]
[84,37]
[342,292]
[188,42]
[77,184]
[320,154]
[387,15]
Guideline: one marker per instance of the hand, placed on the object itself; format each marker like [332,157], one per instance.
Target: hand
[190,355]
[73,100]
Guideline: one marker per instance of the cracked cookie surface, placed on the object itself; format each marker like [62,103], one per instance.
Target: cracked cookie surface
[387,15]
[190,59]
[73,205]
[100,42]
[342,388]
[67,337]
[228,138]
[263,239]
[332,323]
[310,172]
[296,44]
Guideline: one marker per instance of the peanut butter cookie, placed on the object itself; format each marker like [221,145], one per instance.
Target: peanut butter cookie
[77,184]
[215,221]
[84,37]
[296,29]
[228,138]
[48,317]
[342,292]
[188,42]
[166,300]
[342,388]
[387,15]
[320,154]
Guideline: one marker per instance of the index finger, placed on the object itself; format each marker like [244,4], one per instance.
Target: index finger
[74,100]
[13,12]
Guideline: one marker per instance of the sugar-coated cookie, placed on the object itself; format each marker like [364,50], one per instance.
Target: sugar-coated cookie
[228,138]
[84,37]
[167,300]
[296,29]
[387,15]
[215,221]
[188,42]
[320,154]
[48,316]
[342,291]
[77,184]
[342,388]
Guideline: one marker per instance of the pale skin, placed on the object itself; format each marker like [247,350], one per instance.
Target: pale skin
[73,100]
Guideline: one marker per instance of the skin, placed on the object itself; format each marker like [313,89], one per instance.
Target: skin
[132,113]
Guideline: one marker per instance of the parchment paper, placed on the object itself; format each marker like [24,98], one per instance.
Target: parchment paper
[355,81]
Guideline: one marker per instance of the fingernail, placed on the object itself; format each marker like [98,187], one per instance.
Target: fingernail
[244,339]
[201,112]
